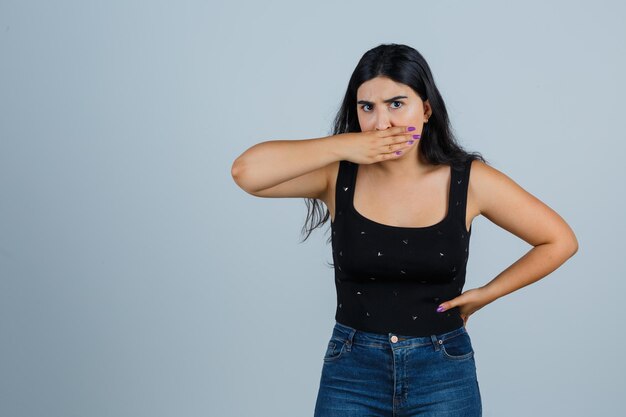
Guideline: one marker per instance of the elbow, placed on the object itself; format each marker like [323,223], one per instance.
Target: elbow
[573,242]
[574,246]
[568,242]
[570,246]
[565,247]
[236,171]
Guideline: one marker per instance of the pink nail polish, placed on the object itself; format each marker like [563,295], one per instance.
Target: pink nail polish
[439,309]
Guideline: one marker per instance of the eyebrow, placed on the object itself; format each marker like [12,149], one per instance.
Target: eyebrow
[389,100]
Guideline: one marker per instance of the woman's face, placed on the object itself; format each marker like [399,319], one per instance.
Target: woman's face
[383,103]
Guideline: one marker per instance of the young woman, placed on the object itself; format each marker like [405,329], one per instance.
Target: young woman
[401,194]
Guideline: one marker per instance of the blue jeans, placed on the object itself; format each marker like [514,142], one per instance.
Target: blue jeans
[372,374]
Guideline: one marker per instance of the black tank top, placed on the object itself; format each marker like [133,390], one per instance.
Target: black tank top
[392,279]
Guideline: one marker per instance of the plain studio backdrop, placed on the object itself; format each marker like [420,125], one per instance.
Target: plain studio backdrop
[137,279]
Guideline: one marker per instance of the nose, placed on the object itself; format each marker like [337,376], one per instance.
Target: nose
[382,122]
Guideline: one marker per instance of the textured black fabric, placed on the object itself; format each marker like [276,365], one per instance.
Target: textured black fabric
[392,279]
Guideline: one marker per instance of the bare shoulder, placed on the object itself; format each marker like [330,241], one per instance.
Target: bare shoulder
[481,172]
[490,187]
[507,204]
[485,179]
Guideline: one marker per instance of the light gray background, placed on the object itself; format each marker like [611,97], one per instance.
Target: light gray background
[137,279]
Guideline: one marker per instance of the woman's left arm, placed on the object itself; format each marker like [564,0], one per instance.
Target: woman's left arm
[505,203]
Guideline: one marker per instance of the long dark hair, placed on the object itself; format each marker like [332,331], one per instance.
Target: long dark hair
[405,65]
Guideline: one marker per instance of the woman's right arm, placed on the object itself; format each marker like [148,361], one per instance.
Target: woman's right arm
[299,168]
[288,168]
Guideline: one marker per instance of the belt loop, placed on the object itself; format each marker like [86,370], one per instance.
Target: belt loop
[435,342]
[349,339]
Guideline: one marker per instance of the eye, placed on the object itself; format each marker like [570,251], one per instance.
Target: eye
[396,101]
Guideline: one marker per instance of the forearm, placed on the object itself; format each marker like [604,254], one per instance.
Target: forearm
[538,262]
[273,162]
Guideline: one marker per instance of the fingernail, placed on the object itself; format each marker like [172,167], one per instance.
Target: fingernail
[398,152]
[439,309]
[411,128]
[410,142]
[417,136]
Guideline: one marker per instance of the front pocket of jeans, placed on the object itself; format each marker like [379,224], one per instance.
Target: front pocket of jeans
[458,347]
[334,350]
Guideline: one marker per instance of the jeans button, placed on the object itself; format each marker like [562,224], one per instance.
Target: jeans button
[394,338]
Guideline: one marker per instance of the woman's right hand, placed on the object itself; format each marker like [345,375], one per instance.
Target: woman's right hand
[377,145]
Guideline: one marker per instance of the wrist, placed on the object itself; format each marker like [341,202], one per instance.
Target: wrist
[489,292]
[336,147]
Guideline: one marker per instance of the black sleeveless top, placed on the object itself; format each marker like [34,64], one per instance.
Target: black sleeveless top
[391,278]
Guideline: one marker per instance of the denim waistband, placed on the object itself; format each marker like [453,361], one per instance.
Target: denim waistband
[354,336]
